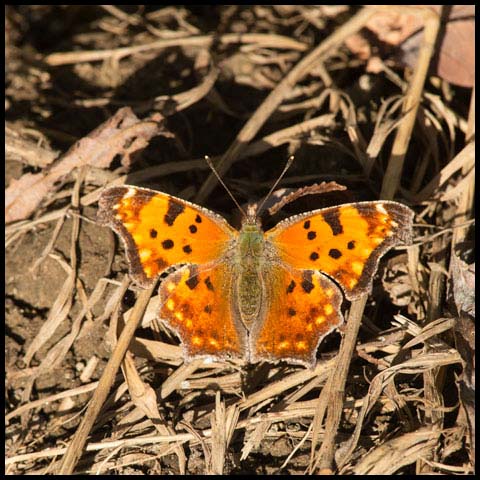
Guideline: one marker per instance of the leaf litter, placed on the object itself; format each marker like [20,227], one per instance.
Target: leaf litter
[392,394]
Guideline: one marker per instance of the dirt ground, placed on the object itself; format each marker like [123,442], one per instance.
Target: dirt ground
[99,96]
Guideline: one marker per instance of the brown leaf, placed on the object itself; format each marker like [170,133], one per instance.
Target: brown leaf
[24,195]
[463,285]
[122,134]
[465,342]
[287,195]
[455,56]
[396,281]
[463,291]
[394,27]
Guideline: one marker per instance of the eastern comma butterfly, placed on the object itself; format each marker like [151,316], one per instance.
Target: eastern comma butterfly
[251,294]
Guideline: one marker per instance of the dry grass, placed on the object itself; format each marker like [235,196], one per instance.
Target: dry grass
[94,383]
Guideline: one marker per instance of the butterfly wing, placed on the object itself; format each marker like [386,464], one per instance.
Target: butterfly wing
[345,242]
[159,230]
[194,302]
[303,307]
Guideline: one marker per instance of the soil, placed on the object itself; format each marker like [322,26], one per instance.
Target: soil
[51,107]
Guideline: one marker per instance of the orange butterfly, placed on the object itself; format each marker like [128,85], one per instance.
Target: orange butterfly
[252,294]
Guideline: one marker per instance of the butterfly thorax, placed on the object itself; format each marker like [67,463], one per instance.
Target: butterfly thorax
[249,263]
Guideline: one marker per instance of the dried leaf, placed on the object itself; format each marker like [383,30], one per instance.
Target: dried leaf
[122,134]
[394,27]
[463,285]
[287,195]
[219,440]
[145,399]
[27,146]
[394,454]
[24,195]
[396,281]
[455,59]
[465,341]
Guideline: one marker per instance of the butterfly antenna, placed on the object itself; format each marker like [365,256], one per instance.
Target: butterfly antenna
[210,164]
[287,166]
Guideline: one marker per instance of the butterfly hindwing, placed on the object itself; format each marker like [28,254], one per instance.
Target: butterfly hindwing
[194,303]
[160,230]
[303,306]
[345,242]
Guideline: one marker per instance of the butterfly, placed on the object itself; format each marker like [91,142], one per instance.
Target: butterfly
[250,294]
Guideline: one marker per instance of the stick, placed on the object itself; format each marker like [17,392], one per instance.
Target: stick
[75,448]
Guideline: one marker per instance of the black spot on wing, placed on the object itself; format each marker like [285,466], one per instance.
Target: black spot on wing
[193,281]
[351,244]
[167,244]
[291,286]
[187,249]
[335,253]
[311,235]
[193,229]
[209,285]
[307,283]
[332,217]
[153,233]
[173,211]
[314,256]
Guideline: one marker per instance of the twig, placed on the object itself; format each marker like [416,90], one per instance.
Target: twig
[391,179]
[337,380]
[132,19]
[264,40]
[181,100]
[278,94]
[50,399]
[433,379]
[77,444]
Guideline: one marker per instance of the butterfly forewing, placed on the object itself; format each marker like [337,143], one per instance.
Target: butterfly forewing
[345,242]
[160,230]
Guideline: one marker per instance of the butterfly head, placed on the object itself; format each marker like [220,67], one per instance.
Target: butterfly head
[251,215]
